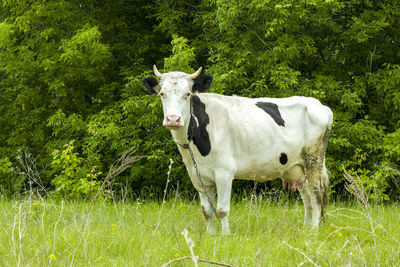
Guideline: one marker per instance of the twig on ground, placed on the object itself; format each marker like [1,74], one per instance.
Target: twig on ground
[191,258]
[194,258]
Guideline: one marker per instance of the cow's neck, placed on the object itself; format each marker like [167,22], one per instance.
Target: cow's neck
[195,130]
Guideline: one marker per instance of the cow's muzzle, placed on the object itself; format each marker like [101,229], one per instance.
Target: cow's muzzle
[172,121]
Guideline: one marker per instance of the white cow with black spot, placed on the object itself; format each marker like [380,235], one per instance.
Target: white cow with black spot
[254,139]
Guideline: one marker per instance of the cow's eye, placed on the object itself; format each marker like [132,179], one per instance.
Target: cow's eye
[163,95]
[187,95]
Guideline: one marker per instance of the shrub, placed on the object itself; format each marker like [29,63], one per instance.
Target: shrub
[73,177]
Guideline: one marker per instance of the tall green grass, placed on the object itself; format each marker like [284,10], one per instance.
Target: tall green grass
[264,233]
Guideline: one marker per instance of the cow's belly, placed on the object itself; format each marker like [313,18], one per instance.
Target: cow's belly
[260,176]
[261,171]
[268,162]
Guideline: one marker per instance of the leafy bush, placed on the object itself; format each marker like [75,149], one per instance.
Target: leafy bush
[73,178]
[72,70]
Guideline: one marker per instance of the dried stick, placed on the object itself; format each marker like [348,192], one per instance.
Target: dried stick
[191,258]
[194,258]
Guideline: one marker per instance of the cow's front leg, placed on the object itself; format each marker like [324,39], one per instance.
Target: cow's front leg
[224,188]
[207,199]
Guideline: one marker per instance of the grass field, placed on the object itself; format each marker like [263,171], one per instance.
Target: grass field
[146,233]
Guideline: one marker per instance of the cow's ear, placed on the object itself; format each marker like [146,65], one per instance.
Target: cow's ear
[202,83]
[151,85]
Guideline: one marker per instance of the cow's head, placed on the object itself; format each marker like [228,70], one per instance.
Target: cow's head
[175,90]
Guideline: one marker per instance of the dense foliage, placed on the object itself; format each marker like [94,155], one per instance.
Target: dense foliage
[72,100]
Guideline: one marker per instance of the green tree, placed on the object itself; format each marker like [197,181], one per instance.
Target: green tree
[72,70]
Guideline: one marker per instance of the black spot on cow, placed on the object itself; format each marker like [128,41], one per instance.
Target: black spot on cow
[283,158]
[197,131]
[273,111]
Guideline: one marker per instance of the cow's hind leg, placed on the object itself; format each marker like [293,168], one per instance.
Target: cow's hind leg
[315,202]
[306,196]
[317,177]
[317,180]
[296,179]
[207,199]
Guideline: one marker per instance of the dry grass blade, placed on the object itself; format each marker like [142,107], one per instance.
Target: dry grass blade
[361,251]
[120,165]
[55,228]
[396,180]
[30,171]
[190,244]
[355,187]
[160,212]
[123,163]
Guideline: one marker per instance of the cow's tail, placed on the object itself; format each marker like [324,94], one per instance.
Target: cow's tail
[324,187]
[324,178]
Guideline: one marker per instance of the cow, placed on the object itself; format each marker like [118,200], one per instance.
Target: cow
[222,138]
